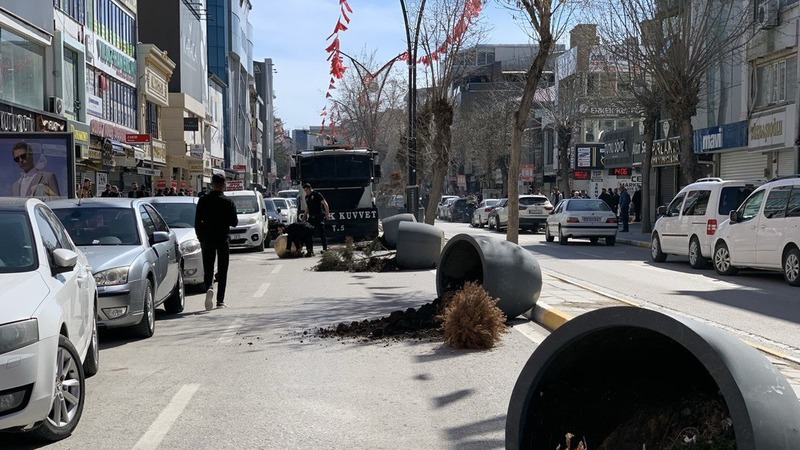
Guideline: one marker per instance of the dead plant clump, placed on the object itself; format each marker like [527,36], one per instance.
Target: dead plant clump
[357,257]
[581,445]
[472,319]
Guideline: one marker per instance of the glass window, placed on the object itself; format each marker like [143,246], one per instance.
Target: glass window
[775,207]
[147,221]
[696,203]
[751,206]
[180,215]
[93,226]
[675,207]
[157,220]
[21,70]
[732,197]
[70,80]
[793,206]
[49,239]
[17,252]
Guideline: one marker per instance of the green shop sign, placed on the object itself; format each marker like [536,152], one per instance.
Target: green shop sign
[123,64]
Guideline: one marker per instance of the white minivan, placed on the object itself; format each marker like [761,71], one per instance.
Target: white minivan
[686,227]
[251,232]
[764,232]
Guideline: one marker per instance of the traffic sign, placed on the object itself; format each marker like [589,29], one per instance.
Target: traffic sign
[137,138]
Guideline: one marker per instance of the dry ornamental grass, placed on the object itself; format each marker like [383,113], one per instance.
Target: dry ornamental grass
[471,319]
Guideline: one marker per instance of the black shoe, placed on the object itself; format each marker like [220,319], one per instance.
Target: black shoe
[309,254]
[221,305]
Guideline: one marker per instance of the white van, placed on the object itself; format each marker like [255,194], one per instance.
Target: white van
[764,232]
[686,227]
[251,232]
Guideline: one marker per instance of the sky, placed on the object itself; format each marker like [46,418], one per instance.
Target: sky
[293,33]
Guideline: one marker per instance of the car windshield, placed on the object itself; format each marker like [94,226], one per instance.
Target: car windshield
[269,205]
[280,203]
[587,205]
[17,252]
[177,215]
[100,226]
[292,201]
[245,204]
[526,201]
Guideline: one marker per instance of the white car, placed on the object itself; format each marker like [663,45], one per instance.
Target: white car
[586,218]
[251,232]
[48,322]
[534,210]
[480,216]
[443,208]
[179,214]
[284,208]
[686,227]
[763,233]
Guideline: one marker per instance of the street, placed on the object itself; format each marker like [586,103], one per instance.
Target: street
[255,376]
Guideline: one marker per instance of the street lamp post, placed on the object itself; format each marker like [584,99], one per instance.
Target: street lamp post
[412,190]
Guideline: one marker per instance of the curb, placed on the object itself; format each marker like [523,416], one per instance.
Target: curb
[547,316]
[634,243]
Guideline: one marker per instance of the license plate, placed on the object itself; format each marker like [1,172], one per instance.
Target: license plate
[534,211]
[591,219]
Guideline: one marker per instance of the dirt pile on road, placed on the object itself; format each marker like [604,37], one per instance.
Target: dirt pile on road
[419,323]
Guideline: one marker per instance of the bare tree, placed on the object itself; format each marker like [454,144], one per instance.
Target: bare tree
[678,42]
[548,21]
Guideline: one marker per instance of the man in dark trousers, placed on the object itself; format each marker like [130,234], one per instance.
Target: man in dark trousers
[317,211]
[637,205]
[298,234]
[624,207]
[215,214]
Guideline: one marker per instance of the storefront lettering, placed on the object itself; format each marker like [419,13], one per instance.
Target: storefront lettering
[666,152]
[125,66]
[766,130]
[156,86]
[712,141]
[353,215]
[108,130]
[16,122]
[80,135]
[47,124]
[615,147]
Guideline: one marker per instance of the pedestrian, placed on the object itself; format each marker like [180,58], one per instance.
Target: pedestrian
[317,212]
[614,200]
[134,192]
[203,192]
[86,189]
[624,207]
[299,234]
[214,216]
[637,205]
[159,193]
[107,192]
[605,197]
[114,192]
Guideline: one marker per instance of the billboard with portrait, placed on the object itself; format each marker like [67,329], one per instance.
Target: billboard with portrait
[37,165]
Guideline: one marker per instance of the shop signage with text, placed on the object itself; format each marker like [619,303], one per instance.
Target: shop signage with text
[131,138]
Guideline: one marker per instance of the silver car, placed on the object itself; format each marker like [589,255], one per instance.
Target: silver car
[179,213]
[134,257]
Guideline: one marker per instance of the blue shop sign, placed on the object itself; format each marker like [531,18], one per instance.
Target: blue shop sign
[731,135]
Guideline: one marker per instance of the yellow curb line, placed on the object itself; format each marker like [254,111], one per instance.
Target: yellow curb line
[771,352]
[549,317]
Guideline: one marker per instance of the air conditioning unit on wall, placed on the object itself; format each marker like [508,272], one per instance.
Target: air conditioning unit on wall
[767,13]
[57,105]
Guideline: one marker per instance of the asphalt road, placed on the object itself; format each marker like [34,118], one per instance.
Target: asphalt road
[254,376]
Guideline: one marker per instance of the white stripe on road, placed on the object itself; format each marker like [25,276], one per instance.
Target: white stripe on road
[261,291]
[277,269]
[161,426]
[230,332]
[530,331]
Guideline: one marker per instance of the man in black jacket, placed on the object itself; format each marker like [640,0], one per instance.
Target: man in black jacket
[317,212]
[215,214]
[298,234]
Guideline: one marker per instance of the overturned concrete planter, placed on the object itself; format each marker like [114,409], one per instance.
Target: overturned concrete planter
[506,271]
[390,226]
[280,246]
[600,369]
[418,245]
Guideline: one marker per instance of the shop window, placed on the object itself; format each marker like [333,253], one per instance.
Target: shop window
[21,70]
[151,119]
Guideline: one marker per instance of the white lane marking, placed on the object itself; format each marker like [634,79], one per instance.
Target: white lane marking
[530,331]
[277,269]
[161,426]
[588,254]
[261,291]
[228,333]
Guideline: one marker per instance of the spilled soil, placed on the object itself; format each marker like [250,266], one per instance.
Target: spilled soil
[412,323]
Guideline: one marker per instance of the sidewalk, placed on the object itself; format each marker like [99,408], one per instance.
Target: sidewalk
[634,236]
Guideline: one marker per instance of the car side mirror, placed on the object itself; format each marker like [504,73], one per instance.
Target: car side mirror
[63,261]
[159,237]
[734,216]
[662,211]
[552,211]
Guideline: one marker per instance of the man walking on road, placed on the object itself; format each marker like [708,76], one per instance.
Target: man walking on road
[317,211]
[215,214]
[624,207]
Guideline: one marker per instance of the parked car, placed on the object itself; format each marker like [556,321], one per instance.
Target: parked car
[179,213]
[492,218]
[48,322]
[460,210]
[441,208]
[585,218]
[763,233]
[445,213]
[686,227]
[533,212]
[273,219]
[480,216]
[284,209]
[252,230]
[134,257]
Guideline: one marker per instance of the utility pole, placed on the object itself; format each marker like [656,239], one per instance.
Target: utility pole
[412,190]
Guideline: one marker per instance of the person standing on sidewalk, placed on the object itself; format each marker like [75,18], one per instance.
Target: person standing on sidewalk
[215,214]
[624,207]
[317,212]
[637,205]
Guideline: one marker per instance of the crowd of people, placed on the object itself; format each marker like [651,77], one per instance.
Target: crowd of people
[618,199]
[87,190]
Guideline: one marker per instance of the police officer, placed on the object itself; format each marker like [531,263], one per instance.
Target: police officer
[317,211]
[215,214]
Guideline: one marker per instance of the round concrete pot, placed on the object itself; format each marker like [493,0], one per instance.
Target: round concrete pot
[506,271]
[390,226]
[594,373]
[418,245]
[280,246]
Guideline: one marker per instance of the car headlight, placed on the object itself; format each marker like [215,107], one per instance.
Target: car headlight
[18,334]
[189,247]
[112,277]
[251,221]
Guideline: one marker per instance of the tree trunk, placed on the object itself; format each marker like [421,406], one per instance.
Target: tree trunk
[649,137]
[564,139]
[689,166]
[443,120]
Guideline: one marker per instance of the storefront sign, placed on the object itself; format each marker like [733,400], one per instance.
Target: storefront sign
[151,172]
[109,130]
[80,132]
[666,152]
[94,105]
[110,60]
[579,174]
[234,185]
[773,130]
[526,173]
[16,122]
[159,150]
[589,156]
[44,123]
[137,138]
[191,124]
[155,86]
[606,111]
[732,135]
[620,171]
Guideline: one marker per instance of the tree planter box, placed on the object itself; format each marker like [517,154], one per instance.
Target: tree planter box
[594,373]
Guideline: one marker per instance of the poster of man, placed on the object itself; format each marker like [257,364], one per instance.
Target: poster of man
[35,165]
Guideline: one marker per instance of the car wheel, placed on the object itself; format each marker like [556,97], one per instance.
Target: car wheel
[480,222]
[594,240]
[791,267]
[696,259]
[66,405]
[722,260]
[547,236]
[561,238]
[91,365]
[147,326]
[611,240]
[177,300]
[655,250]
[491,223]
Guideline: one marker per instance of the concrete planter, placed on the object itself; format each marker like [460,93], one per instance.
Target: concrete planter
[390,226]
[506,271]
[601,368]
[418,245]
[280,246]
